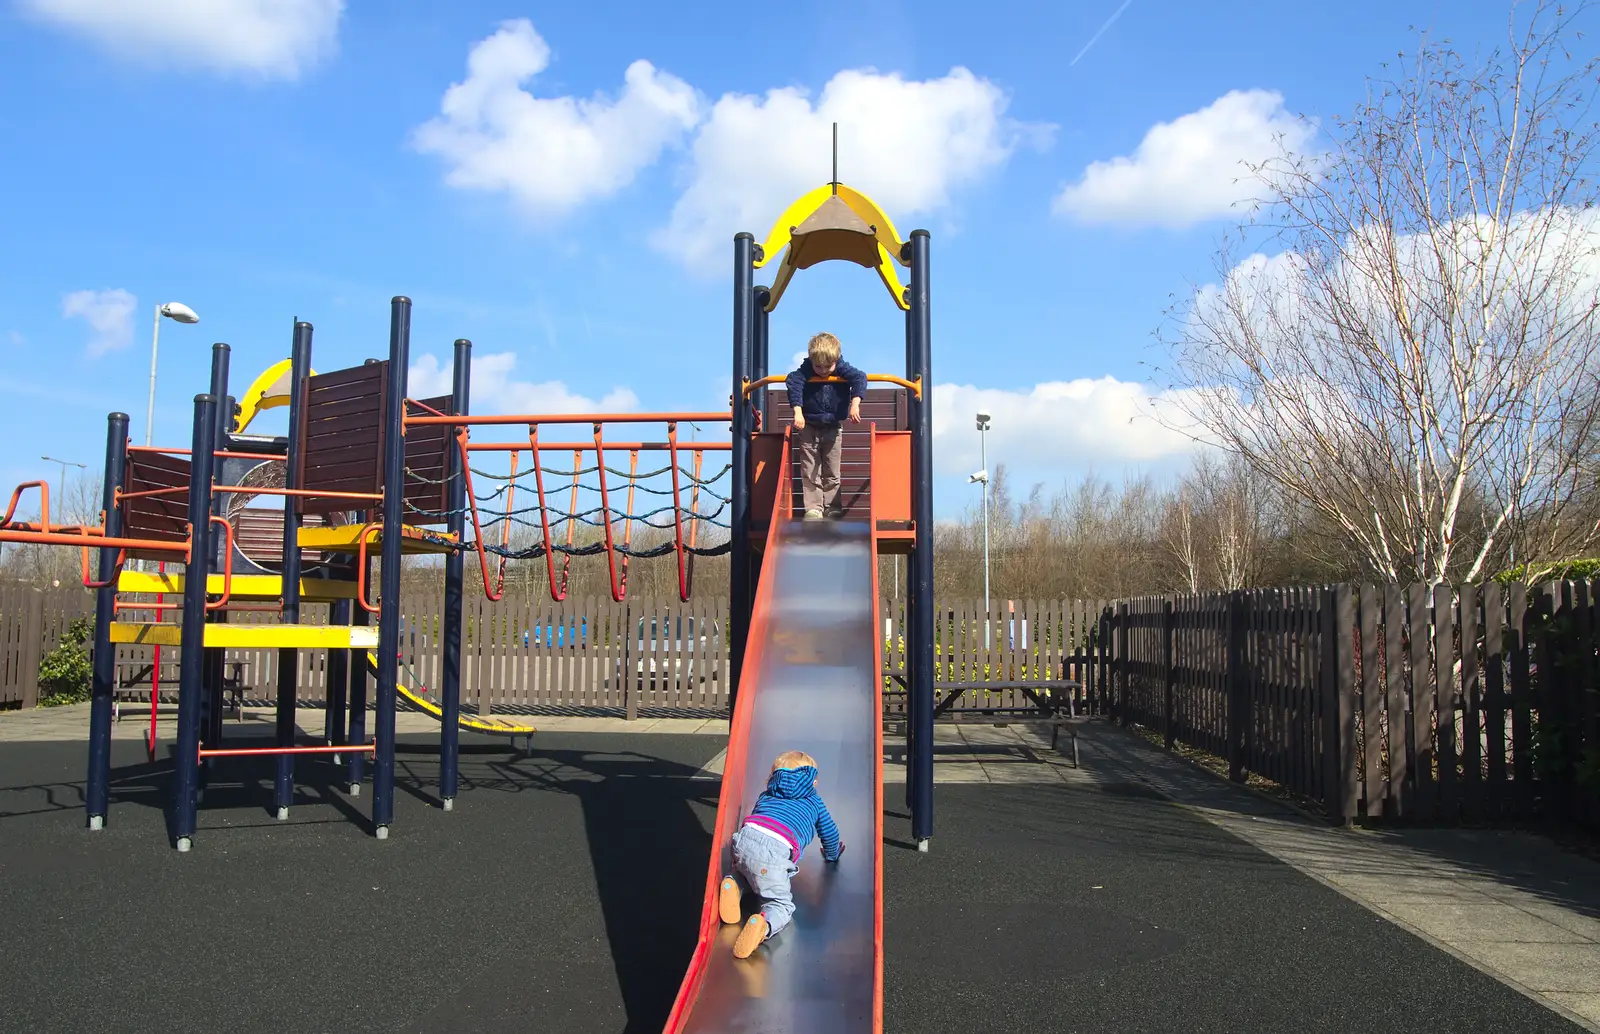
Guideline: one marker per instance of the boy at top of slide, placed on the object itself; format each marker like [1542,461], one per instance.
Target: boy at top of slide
[819,409]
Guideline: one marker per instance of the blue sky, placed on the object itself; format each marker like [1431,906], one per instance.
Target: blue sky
[263,162]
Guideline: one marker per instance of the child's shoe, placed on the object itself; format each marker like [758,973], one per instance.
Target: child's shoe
[728,901]
[750,938]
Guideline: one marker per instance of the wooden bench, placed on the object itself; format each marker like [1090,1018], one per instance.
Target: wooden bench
[233,688]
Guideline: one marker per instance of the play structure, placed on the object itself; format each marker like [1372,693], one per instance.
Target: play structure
[366,473]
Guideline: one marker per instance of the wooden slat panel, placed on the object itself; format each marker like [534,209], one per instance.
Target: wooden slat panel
[1471,789]
[1497,789]
[1444,683]
[343,427]
[1519,703]
[164,518]
[1585,698]
[1422,707]
[1394,620]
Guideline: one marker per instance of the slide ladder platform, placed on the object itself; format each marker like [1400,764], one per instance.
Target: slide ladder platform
[242,586]
[345,538]
[250,637]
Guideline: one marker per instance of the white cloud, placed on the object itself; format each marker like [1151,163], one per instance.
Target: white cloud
[907,144]
[108,313]
[495,390]
[1056,429]
[551,154]
[1191,169]
[266,38]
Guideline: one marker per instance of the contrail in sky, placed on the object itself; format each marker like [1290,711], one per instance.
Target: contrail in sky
[1096,37]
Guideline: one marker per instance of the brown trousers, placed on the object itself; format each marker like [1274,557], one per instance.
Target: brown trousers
[820,447]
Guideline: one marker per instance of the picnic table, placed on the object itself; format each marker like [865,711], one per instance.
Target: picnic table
[1045,705]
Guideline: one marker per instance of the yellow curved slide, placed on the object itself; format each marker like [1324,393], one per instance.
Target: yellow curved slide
[417,698]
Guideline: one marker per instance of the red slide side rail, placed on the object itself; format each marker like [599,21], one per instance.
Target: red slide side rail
[731,801]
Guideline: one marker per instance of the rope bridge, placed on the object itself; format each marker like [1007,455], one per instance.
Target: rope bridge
[558,528]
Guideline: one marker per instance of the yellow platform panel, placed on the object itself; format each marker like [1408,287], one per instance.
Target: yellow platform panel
[245,586]
[248,637]
[343,539]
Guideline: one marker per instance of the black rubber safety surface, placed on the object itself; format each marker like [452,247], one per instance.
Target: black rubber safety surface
[563,895]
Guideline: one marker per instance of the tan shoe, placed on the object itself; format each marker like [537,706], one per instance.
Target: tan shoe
[750,938]
[729,900]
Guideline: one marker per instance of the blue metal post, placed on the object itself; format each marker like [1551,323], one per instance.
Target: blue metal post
[394,487]
[289,657]
[191,651]
[739,558]
[759,352]
[211,721]
[454,564]
[920,578]
[912,658]
[98,793]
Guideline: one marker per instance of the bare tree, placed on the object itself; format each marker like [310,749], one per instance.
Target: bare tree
[1179,538]
[1241,510]
[1417,345]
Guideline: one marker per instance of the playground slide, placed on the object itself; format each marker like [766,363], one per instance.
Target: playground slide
[810,682]
[416,695]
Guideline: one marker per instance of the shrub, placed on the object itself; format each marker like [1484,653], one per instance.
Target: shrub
[1568,570]
[65,673]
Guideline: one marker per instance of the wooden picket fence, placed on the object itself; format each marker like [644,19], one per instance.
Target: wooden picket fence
[32,622]
[517,656]
[1420,703]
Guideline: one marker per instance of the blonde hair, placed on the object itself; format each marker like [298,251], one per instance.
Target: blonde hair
[823,348]
[794,759]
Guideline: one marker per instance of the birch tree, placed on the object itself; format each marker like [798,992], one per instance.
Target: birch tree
[1415,362]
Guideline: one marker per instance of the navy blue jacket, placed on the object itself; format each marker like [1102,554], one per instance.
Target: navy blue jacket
[825,403]
[791,807]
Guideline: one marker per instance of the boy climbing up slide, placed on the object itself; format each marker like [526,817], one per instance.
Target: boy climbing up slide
[768,846]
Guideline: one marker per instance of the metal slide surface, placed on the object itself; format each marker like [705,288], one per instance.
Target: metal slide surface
[815,688]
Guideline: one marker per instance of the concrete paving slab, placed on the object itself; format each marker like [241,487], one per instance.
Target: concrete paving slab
[1478,920]
[1582,1004]
[1541,967]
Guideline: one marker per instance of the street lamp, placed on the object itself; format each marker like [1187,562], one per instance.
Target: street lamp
[61,485]
[173,311]
[982,478]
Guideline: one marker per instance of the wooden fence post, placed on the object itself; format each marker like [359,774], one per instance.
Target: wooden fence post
[1168,673]
[1121,673]
[1344,767]
[1238,688]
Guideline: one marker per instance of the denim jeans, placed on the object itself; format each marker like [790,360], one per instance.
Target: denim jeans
[763,865]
